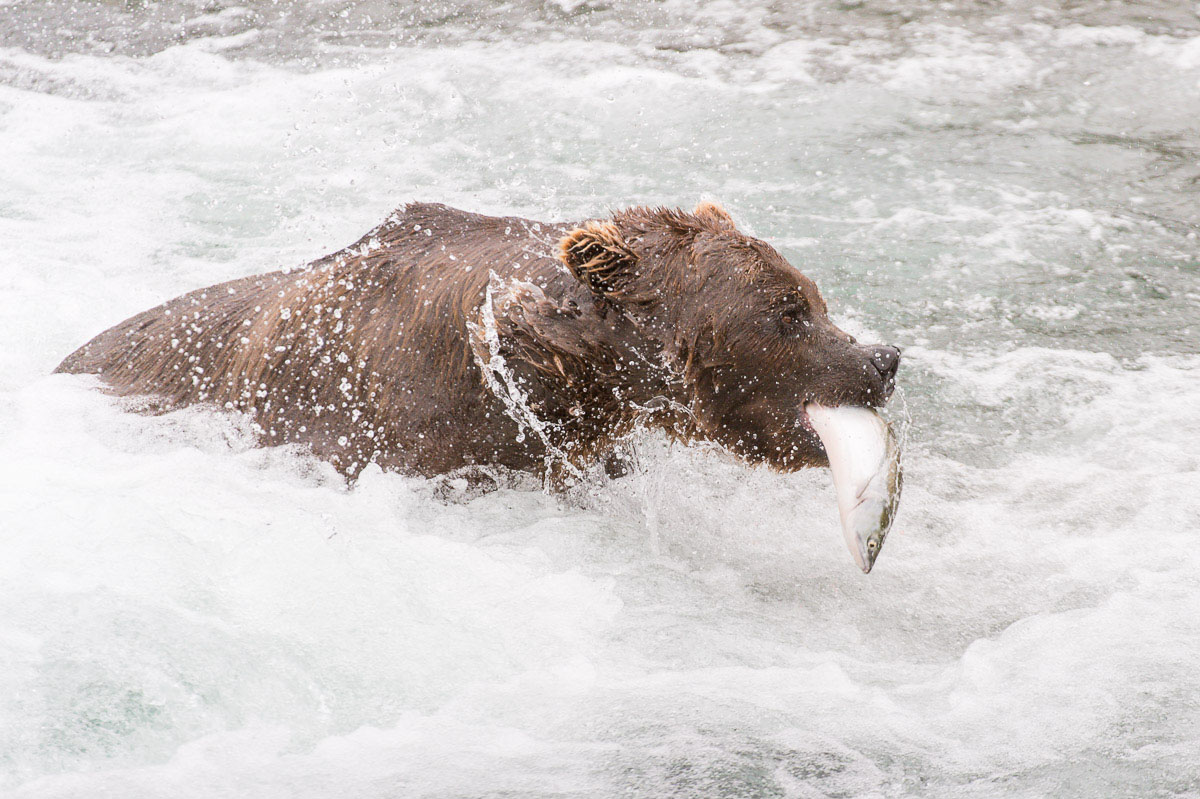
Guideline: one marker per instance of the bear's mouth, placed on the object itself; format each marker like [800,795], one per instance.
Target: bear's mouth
[811,439]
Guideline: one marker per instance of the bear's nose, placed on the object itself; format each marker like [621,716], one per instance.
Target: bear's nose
[887,361]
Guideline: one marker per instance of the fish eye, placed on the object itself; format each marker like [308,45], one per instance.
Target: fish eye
[872,544]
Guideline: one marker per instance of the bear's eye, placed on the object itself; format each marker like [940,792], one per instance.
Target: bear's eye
[792,317]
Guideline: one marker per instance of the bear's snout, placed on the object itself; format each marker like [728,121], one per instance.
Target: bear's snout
[887,361]
[882,363]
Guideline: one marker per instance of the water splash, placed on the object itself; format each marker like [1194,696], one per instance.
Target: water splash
[504,385]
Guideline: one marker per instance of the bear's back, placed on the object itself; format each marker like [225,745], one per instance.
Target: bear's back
[361,352]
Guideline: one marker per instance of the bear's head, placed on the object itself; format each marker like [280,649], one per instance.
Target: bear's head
[744,339]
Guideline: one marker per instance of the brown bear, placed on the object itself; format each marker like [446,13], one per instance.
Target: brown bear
[445,339]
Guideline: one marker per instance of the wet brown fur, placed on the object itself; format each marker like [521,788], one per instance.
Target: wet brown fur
[384,352]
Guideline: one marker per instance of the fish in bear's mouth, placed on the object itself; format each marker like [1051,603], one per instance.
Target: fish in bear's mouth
[864,459]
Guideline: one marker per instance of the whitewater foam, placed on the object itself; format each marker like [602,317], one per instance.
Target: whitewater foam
[1007,197]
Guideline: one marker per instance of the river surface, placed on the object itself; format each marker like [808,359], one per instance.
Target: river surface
[1008,191]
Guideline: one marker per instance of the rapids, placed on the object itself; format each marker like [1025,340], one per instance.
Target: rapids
[1006,191]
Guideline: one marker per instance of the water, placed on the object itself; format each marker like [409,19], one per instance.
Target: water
[1008,192]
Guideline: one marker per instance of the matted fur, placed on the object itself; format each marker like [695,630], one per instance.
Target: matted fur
[715,214]
[598,256]
[388,351]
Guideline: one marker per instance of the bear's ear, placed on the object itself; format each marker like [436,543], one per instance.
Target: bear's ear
[714,214]
[597,255]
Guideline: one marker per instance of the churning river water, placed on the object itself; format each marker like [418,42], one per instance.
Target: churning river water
[1008,191]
